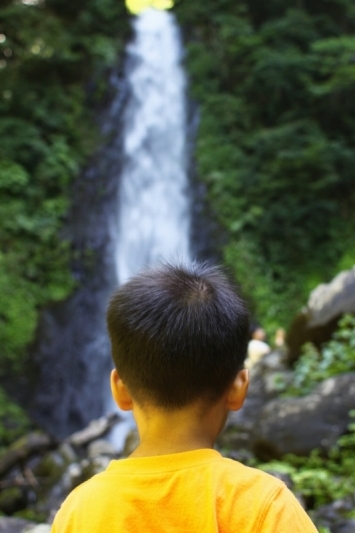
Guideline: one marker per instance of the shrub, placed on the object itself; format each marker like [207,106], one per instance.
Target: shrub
[335,357]
[318,479]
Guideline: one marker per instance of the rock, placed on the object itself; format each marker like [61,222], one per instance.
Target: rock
[300,333]
[38,478]
[13,525]
[74,474]
[39,528]
[50,471]
[319,319]
[278,382]
[12,500]
[344,526]
[95,429]
[101,447]
[67,452]
[30,444]
[299,425]
[333,516]
[50,468]
[274,361]
[330,300]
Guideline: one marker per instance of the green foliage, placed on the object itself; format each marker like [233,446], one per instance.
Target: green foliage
[335,357]
[321,480]
[275,147]
[13,421]
[32,516]
[53,58]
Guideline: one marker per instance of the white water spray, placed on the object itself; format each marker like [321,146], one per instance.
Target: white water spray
[154,212]
[154,221]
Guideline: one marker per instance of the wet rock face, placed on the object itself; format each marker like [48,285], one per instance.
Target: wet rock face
[299,425]
[318,320]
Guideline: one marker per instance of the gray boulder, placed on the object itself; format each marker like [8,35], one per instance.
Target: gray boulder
[318,320]
[299,425]
[13,525]
[330,300]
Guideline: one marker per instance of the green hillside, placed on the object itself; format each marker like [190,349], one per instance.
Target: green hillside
[54,60]
[275,82]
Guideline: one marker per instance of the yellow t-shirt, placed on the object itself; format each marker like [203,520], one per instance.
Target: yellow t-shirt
[191,492]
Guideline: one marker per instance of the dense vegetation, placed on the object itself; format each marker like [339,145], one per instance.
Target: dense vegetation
[275,83]
[54,58]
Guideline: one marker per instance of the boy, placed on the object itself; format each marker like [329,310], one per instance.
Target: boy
[179,338]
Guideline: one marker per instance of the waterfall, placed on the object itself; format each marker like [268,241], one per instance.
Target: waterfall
[154,220]
[153,206]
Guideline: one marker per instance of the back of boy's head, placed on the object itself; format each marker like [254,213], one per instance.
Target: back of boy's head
[179,334]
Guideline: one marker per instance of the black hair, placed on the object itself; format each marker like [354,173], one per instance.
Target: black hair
[178,334]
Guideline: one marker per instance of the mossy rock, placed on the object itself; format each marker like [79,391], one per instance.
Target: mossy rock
[51,467]
[12,500]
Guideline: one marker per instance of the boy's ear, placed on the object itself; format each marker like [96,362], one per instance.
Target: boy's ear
[120,392]
[238,390]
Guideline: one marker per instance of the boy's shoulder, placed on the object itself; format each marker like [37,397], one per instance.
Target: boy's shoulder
[270,503]
[227,473]
[245,482]
[225,468]
[229,476]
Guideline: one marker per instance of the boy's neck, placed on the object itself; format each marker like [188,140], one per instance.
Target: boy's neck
[167,432]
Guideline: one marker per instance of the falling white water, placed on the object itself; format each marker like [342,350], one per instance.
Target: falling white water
[154,222]
[154,219]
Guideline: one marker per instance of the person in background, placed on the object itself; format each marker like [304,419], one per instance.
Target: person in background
[280,337]
[257,347]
